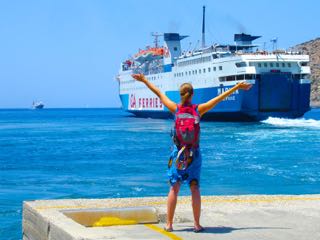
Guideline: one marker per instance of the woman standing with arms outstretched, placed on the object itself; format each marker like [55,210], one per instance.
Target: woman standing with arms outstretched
[185,160]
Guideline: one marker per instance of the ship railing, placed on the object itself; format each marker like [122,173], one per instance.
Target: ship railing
[276,52]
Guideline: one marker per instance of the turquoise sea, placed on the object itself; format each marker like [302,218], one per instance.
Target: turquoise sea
[103,153]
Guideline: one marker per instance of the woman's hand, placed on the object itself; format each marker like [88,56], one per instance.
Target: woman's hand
[139,77]
[205,107]
[172,106]
[244,86]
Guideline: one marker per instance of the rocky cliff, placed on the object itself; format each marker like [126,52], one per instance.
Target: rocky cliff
[312,48]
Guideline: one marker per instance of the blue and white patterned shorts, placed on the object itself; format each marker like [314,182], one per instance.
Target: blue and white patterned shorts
[190,175]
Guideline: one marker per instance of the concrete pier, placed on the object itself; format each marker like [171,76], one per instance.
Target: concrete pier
[224,217]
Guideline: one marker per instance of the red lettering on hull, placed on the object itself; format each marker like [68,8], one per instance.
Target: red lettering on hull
[145,103]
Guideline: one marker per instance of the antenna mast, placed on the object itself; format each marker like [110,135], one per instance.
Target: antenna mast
[274,43]
[203,27]
[156,38]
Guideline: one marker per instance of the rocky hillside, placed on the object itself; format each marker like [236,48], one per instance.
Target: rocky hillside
[312,48]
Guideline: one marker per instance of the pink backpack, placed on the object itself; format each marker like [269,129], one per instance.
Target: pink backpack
[187,127]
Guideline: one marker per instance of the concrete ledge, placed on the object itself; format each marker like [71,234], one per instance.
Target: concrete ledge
[224,217]
[113,216]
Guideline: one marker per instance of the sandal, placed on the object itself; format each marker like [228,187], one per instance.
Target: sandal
[199,230]
[168,229]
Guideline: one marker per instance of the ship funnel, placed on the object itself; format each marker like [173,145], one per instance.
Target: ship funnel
[172,49]
[203,27]
[244,39]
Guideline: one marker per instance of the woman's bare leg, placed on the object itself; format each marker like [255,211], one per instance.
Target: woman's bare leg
[196,205]
[171,204]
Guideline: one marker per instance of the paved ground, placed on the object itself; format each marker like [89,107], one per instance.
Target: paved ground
[224,217]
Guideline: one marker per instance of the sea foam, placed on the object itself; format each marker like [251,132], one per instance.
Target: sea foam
[284,122]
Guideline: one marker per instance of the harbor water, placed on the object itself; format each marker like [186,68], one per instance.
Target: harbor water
[106,153]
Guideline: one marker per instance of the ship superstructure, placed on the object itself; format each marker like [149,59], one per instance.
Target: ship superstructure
[280,79]
[37,105]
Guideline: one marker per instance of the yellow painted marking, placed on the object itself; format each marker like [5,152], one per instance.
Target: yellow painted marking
[163,232]
[113,221]
[249,199]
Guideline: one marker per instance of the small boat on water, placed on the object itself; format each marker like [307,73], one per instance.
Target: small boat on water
[37,105]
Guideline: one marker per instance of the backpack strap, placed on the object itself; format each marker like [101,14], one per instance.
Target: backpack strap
[195,106]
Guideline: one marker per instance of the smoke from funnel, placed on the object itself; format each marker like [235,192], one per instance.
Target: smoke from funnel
[173,26]
[229,20]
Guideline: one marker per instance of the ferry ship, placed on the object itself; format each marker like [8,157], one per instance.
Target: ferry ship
[280,79]
[37,105]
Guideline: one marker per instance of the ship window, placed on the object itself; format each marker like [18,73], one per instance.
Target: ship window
[182,74]
[231,78]
[186,73]
[241,64]
[283,65]
[204,70]
[195,71]
[259,64]
[305,76]
[175,48]
[289,64]
[249,76]
[209,69]
[199,71]
[265,65]
[189,72]
[271,64]
[304,64]
[220,68]
[174,75]
[214,68]
[192,72]
[277,65]
[239,77]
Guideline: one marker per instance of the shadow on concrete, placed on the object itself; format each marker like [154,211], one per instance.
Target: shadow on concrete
[223,229]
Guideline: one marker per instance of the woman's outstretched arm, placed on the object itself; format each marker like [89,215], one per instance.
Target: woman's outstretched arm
[205,107]
[172,106]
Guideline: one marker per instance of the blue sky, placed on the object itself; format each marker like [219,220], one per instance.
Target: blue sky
[67,52]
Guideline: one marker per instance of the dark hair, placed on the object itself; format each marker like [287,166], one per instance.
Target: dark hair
[186,91]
